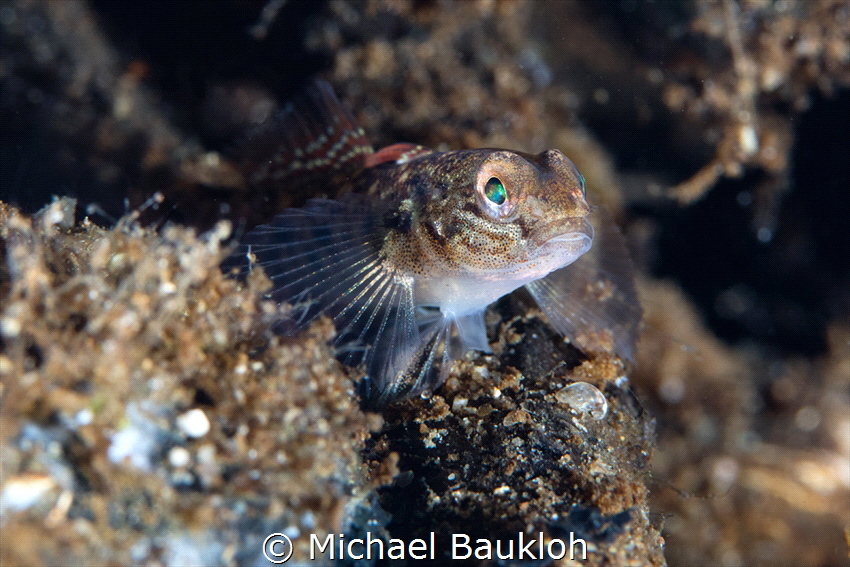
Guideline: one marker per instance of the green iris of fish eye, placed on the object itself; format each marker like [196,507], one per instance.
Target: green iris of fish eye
[495,191]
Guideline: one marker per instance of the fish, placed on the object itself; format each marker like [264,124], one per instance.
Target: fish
[416,244]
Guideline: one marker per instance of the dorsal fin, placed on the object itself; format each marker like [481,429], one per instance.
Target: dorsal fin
[312,137]
[397,153]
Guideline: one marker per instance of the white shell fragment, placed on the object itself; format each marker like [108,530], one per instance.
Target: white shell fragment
[179,457]
[584,398]
[194,423]
[25,490]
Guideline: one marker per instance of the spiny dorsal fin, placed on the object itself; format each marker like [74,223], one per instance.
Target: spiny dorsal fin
[314,136]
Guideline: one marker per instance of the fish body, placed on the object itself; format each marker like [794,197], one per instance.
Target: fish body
[408,261]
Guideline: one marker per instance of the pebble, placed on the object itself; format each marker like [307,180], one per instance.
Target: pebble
[584,398]
[194,423]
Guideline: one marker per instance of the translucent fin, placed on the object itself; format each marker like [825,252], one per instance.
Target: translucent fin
[593,300]
[325,259]
[473,332]
[428,367]
[313,137]
[431,362]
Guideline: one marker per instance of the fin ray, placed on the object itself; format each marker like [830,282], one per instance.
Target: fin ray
[312,137]
[425,367]
[345,278]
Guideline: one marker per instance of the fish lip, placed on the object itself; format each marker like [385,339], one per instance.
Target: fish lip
[565,232]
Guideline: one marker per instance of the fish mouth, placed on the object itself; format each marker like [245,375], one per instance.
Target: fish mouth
[575,233]
[562,242]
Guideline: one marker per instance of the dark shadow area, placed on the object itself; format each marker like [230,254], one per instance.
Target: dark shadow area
[780,293]
[56,142]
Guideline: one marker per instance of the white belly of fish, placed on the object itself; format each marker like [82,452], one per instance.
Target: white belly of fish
[464,294]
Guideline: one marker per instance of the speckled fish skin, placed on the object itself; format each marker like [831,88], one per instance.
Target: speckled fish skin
[407,263]
[462,250]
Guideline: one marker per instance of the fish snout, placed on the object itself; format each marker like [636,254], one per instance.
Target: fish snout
[563,178]
[559,164]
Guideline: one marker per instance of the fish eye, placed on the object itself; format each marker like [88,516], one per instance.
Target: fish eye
[583,184]
[499,184]
[495,191]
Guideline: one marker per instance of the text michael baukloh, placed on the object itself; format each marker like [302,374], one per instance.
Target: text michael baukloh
[336,546]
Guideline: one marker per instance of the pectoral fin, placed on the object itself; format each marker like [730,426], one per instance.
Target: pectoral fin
[325,259]
[593,301]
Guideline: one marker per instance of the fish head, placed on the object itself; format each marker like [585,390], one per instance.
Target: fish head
[517,216]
